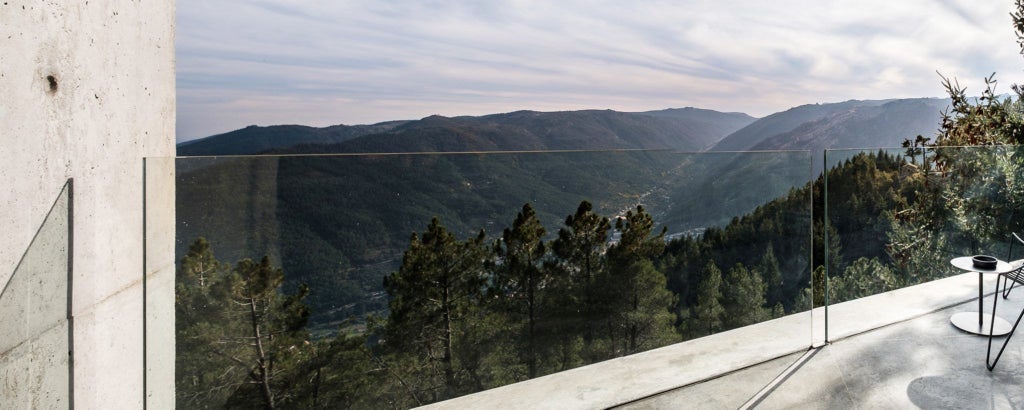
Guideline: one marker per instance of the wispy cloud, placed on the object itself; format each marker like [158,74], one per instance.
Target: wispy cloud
[329,62]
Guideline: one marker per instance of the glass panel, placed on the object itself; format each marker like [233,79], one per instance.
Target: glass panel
[35,305]
[980,190]
[751,209]
[399,280]
[158,282]
[897,217]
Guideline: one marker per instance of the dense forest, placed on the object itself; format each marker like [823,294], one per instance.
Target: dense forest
[464,315]
[340,223]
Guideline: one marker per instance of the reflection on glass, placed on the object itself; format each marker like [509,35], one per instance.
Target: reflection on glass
[401,280]
[35,333]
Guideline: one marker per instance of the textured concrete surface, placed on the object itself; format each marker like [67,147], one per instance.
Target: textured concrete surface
[923,362]
[726,392]
[34,337]
[88,92]
[624,379]
[850,318]
[34,375]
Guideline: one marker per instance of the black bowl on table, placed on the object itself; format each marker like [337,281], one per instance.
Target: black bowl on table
[984,262]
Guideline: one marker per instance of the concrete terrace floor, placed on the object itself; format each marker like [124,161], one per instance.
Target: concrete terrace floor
[922,362]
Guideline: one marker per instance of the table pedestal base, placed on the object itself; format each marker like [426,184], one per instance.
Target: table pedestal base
[968,322]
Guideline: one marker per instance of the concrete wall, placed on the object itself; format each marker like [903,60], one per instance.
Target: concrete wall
[87,92]
[34,311]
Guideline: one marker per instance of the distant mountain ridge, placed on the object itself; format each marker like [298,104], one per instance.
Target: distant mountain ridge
[884,125]
[255,139]
[849,124]
[815,127]
[722,123]
[684,129]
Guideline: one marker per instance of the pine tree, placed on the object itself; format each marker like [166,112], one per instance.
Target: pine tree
[743,298]
[520,281]
[341,372]
[433,294]
[200,379]
[274,328]
[580,246]
[635,291]
[772,276]
[238,336]
[708,314]
[835,250]
[199,265]
[579,260]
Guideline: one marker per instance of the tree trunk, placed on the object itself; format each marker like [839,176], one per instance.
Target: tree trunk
[446,360]
[261,357]
[531,353]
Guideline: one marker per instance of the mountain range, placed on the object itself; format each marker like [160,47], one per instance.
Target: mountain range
[849,124]
[340,223]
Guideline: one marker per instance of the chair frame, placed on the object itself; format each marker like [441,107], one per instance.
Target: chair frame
[1018,275]
[1009,279]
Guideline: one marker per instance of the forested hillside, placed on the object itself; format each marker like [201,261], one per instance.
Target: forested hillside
[497,301]
[850,124]
[340,223]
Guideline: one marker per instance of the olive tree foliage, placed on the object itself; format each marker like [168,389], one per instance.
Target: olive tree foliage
[969,185]
[864,277]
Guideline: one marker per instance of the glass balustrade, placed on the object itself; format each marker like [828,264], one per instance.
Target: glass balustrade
[396,280]
[896,217]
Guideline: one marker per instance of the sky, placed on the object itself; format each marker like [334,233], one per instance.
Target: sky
[320,63]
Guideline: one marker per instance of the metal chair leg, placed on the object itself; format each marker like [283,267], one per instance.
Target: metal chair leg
[1007,289]
[989,363]
[1009,257]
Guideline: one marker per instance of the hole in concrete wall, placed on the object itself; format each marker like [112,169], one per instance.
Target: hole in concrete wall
[53,83]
